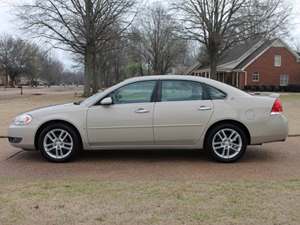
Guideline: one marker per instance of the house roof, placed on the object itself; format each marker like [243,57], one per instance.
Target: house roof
[255,53]
[238,57]
[237,51]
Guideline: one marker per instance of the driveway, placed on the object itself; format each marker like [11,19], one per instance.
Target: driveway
[276,161]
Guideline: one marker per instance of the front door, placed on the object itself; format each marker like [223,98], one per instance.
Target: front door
[182,114]
[128,121]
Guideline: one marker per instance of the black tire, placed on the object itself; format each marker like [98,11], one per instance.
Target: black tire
[75,138]
[209,143]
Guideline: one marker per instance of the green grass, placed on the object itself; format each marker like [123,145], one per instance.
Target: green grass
[290,97]
[157,202]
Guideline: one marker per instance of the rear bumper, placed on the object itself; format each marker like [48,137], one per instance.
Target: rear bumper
[275,129]
[22,137]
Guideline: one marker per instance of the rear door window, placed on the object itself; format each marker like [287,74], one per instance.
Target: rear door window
[181,90]
[215,93]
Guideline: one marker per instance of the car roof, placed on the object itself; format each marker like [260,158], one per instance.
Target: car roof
[159,77]
[230,90]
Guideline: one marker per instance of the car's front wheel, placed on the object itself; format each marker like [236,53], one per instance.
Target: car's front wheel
[226,143]
[58,143]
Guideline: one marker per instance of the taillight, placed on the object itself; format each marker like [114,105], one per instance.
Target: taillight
[277,107]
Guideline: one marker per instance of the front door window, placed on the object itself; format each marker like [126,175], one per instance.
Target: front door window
[139,92]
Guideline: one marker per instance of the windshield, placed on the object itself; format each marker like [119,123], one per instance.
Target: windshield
[91,99]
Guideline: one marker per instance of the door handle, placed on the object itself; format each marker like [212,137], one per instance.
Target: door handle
[142,110]
[204,108]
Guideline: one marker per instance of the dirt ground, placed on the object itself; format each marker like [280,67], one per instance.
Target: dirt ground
[277,161]
[12,104]
[15,93]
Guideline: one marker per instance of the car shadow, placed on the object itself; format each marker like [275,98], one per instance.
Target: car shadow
[144,155]
[253,154]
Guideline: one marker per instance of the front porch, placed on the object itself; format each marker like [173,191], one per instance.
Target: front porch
[233,78]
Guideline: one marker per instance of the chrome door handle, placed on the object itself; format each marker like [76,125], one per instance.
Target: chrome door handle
[142,110]
[204,108]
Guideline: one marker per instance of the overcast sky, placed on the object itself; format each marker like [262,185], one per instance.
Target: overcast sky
[8,25]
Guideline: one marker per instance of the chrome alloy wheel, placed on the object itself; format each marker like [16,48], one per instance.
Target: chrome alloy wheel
[58,143]
[227,143]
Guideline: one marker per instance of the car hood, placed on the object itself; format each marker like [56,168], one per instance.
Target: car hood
[54,109]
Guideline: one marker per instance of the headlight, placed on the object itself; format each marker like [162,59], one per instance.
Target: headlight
[23,120]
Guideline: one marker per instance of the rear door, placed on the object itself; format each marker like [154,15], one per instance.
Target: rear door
[182,113]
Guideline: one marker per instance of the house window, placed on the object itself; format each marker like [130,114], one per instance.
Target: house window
[284,80]
[255,77]
[277,61]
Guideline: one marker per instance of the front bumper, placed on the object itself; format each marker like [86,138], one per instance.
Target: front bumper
[22,137]
[15,140]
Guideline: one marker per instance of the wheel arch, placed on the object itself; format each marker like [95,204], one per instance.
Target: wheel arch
[48,123]
[233,122]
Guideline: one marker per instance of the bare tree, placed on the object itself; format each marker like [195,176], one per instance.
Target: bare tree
[19,57]
[265,18]
[79,26]
[6,46]
[155,38]
[221,24]
[15,56]
[50,69]
[72,78]
[111,61]
[33,65]
[137,59]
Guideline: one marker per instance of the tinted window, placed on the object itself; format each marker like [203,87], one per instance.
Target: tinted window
[176,90]
[138,92]
[215,93]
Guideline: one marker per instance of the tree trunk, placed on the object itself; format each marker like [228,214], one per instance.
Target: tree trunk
[90,54]
[100,72]
[141,69]
[6,78]
[96,78]
[213,66]
[13,81]
[87,73]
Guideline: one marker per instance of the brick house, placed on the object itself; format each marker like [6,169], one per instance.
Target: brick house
[256,63]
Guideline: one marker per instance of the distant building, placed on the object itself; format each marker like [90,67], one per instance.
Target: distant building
[21,80]
[2,79]
[256,63]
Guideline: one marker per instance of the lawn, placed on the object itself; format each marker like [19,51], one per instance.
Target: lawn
[291,107]
[157,202]
[13,105]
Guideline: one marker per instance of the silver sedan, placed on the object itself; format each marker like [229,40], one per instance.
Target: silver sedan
[154,112]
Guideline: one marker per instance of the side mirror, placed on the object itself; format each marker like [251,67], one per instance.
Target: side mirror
[107,101]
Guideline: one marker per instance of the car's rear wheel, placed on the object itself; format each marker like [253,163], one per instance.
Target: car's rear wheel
[226,143]
[59,143]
